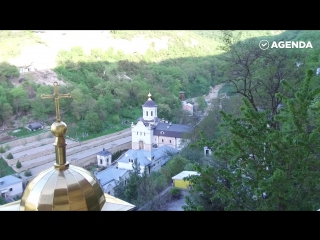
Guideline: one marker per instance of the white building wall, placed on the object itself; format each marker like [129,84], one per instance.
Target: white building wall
[17,189]
[140,132]
[166,141]
[149,113]
[106,160]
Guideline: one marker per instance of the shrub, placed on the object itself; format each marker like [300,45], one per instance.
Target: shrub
[7,147]
[28,173]
[175,193]
[9,156]
[116,119]
[2,150]
[18,165]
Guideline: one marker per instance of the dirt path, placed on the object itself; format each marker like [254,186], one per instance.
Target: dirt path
[214,92]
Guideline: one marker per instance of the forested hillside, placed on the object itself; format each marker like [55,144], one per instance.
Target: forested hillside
[109,86]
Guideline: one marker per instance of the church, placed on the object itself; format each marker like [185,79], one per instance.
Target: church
[151,132]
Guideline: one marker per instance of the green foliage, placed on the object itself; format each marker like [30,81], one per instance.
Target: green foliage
[18,165]
[28,173]
[265,163]
[115,119]
[4,168]
[2,201]
[2,149]
[9,156]
[23,132]
[175,192]
[173,167]
[201,103]
[94,124]
[227,89]
[117,154]
[8,70]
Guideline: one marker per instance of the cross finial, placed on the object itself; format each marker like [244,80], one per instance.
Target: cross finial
[56,97]
[149,96]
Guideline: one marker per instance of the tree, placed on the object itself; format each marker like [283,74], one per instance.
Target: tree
[164,111]
[5,107]
[201,103]
[28,173]
[173,167]
[8,70]
[93,122]
[9,156]
[23,121]
[257,74]
[131,190]
[18,165]
[2,150]
[258,167]
[2,201]
[116,119]
[19,99]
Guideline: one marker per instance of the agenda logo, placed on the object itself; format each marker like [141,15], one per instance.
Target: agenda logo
[264,44]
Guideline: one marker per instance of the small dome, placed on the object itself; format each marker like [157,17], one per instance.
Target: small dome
[70,189]
[149,103]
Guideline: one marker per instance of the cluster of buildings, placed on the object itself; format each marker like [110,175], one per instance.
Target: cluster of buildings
[67,187]
[154,141]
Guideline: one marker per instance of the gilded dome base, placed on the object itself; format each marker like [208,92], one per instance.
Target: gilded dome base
[70,189]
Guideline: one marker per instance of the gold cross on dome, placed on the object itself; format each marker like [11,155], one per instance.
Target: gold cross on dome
[56,97]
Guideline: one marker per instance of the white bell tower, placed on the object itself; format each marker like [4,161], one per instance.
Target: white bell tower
[149,109]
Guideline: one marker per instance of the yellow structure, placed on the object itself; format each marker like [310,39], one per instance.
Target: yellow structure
[178,179]
[65,187]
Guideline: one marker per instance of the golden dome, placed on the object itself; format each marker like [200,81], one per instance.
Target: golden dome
[70,189]
[63,187]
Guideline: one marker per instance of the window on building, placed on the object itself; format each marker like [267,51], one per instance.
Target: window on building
[10,189]
[137,133]
[125,182]
[144,134]
[109,193]
[100,161]
[151,113]
[140,133]
[162,140]
[170,141]
[147,113]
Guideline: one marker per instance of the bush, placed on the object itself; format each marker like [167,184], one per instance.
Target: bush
[116,119]
[2,150]
[18,165]
[28,173]
[175,193]
[7,147]
[2,201]
[9,156]
[8,70]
